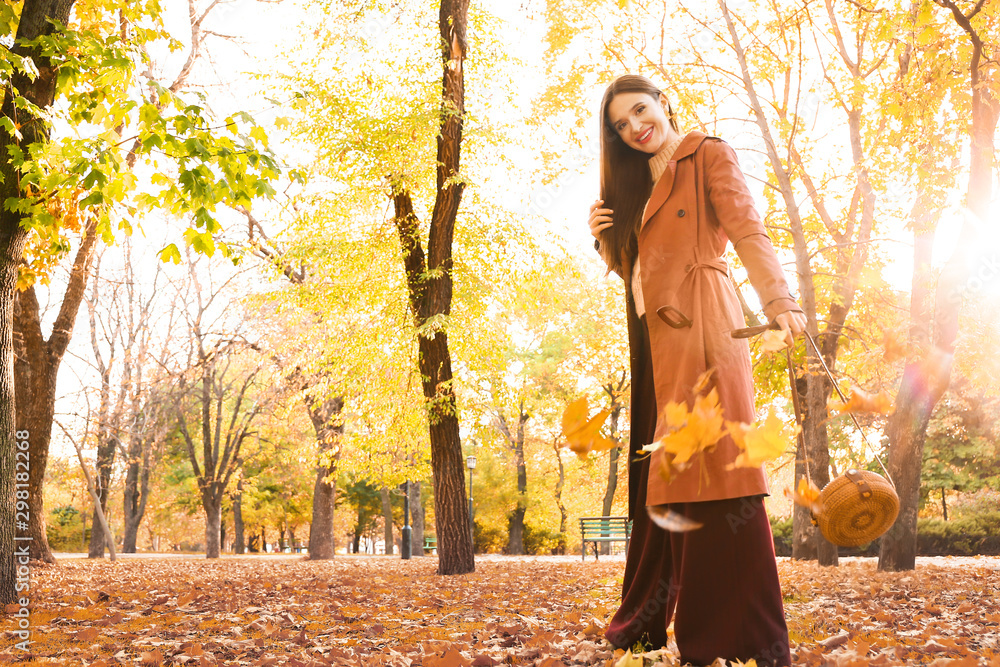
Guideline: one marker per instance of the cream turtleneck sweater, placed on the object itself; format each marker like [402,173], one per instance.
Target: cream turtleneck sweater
[657,165]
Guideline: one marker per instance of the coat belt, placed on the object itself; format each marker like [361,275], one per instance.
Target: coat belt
[674,317]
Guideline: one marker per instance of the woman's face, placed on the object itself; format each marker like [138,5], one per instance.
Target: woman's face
[641,121]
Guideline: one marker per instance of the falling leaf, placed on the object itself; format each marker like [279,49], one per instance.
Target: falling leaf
[696,432]
[668,519]
[894,347]
[583,434]
[760,442]
[861,402]
[806,495]
[773,340]
[702,383]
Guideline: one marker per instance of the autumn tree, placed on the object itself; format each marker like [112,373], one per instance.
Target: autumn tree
[220,393]
[935,307]
[448,265]
[87,61]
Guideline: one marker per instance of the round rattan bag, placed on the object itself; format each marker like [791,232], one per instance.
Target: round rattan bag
[858,506]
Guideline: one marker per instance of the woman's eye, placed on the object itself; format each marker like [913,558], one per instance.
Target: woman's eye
[640,110]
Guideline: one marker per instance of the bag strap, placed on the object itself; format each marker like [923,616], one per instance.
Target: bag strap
[843,398]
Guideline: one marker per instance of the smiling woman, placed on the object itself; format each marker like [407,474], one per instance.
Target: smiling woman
[672,201]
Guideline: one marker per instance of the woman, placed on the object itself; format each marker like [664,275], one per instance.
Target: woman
[669,204]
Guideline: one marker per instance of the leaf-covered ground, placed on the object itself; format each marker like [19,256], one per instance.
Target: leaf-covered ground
[520,611]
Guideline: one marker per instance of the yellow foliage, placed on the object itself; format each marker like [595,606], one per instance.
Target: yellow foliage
[583,433]
[760,442]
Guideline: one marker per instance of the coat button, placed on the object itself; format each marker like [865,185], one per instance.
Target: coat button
[687,268]
[681,213]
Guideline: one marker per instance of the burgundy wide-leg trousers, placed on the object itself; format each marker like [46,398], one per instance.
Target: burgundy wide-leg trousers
[719,583]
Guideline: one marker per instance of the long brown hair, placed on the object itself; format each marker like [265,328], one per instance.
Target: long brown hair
[626,182]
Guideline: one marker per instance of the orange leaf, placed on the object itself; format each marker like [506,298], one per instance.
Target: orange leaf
[861,402]
[151,657]
[807,495]
[583,434]
[452,658]
[893,347]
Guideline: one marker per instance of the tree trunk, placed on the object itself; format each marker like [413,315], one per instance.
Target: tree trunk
[429,283]
[213,524]
[515,522]
[387,521]
[136,494]
[38,17]
[11,250]
[907,426]
[563,514]
[417,517]
[105,460]
[329,426]
[615,452]
[130,496]
[451,508]
[239,538]
[944,503]
[818,450]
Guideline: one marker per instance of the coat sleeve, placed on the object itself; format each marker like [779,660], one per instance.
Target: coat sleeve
[734,208]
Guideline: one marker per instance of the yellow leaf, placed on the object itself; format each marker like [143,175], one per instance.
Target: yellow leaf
[807,495]
[760,442]
[583,435]
[682,444]
[675,414]
[629,660]
[695,431]
[863,402]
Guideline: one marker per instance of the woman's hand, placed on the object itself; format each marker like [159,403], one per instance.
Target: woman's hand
[793,323]
[600,219]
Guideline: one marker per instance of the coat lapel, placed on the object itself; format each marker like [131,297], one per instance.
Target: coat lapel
[663,187]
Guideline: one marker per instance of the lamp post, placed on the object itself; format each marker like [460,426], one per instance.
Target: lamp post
[405,546]
[471,462]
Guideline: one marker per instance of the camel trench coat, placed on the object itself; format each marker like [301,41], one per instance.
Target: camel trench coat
[700,203]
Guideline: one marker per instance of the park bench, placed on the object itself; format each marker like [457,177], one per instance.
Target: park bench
[430,544]
[603,529]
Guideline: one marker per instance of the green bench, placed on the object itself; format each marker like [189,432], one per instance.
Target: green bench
[603,529]
[430,544]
